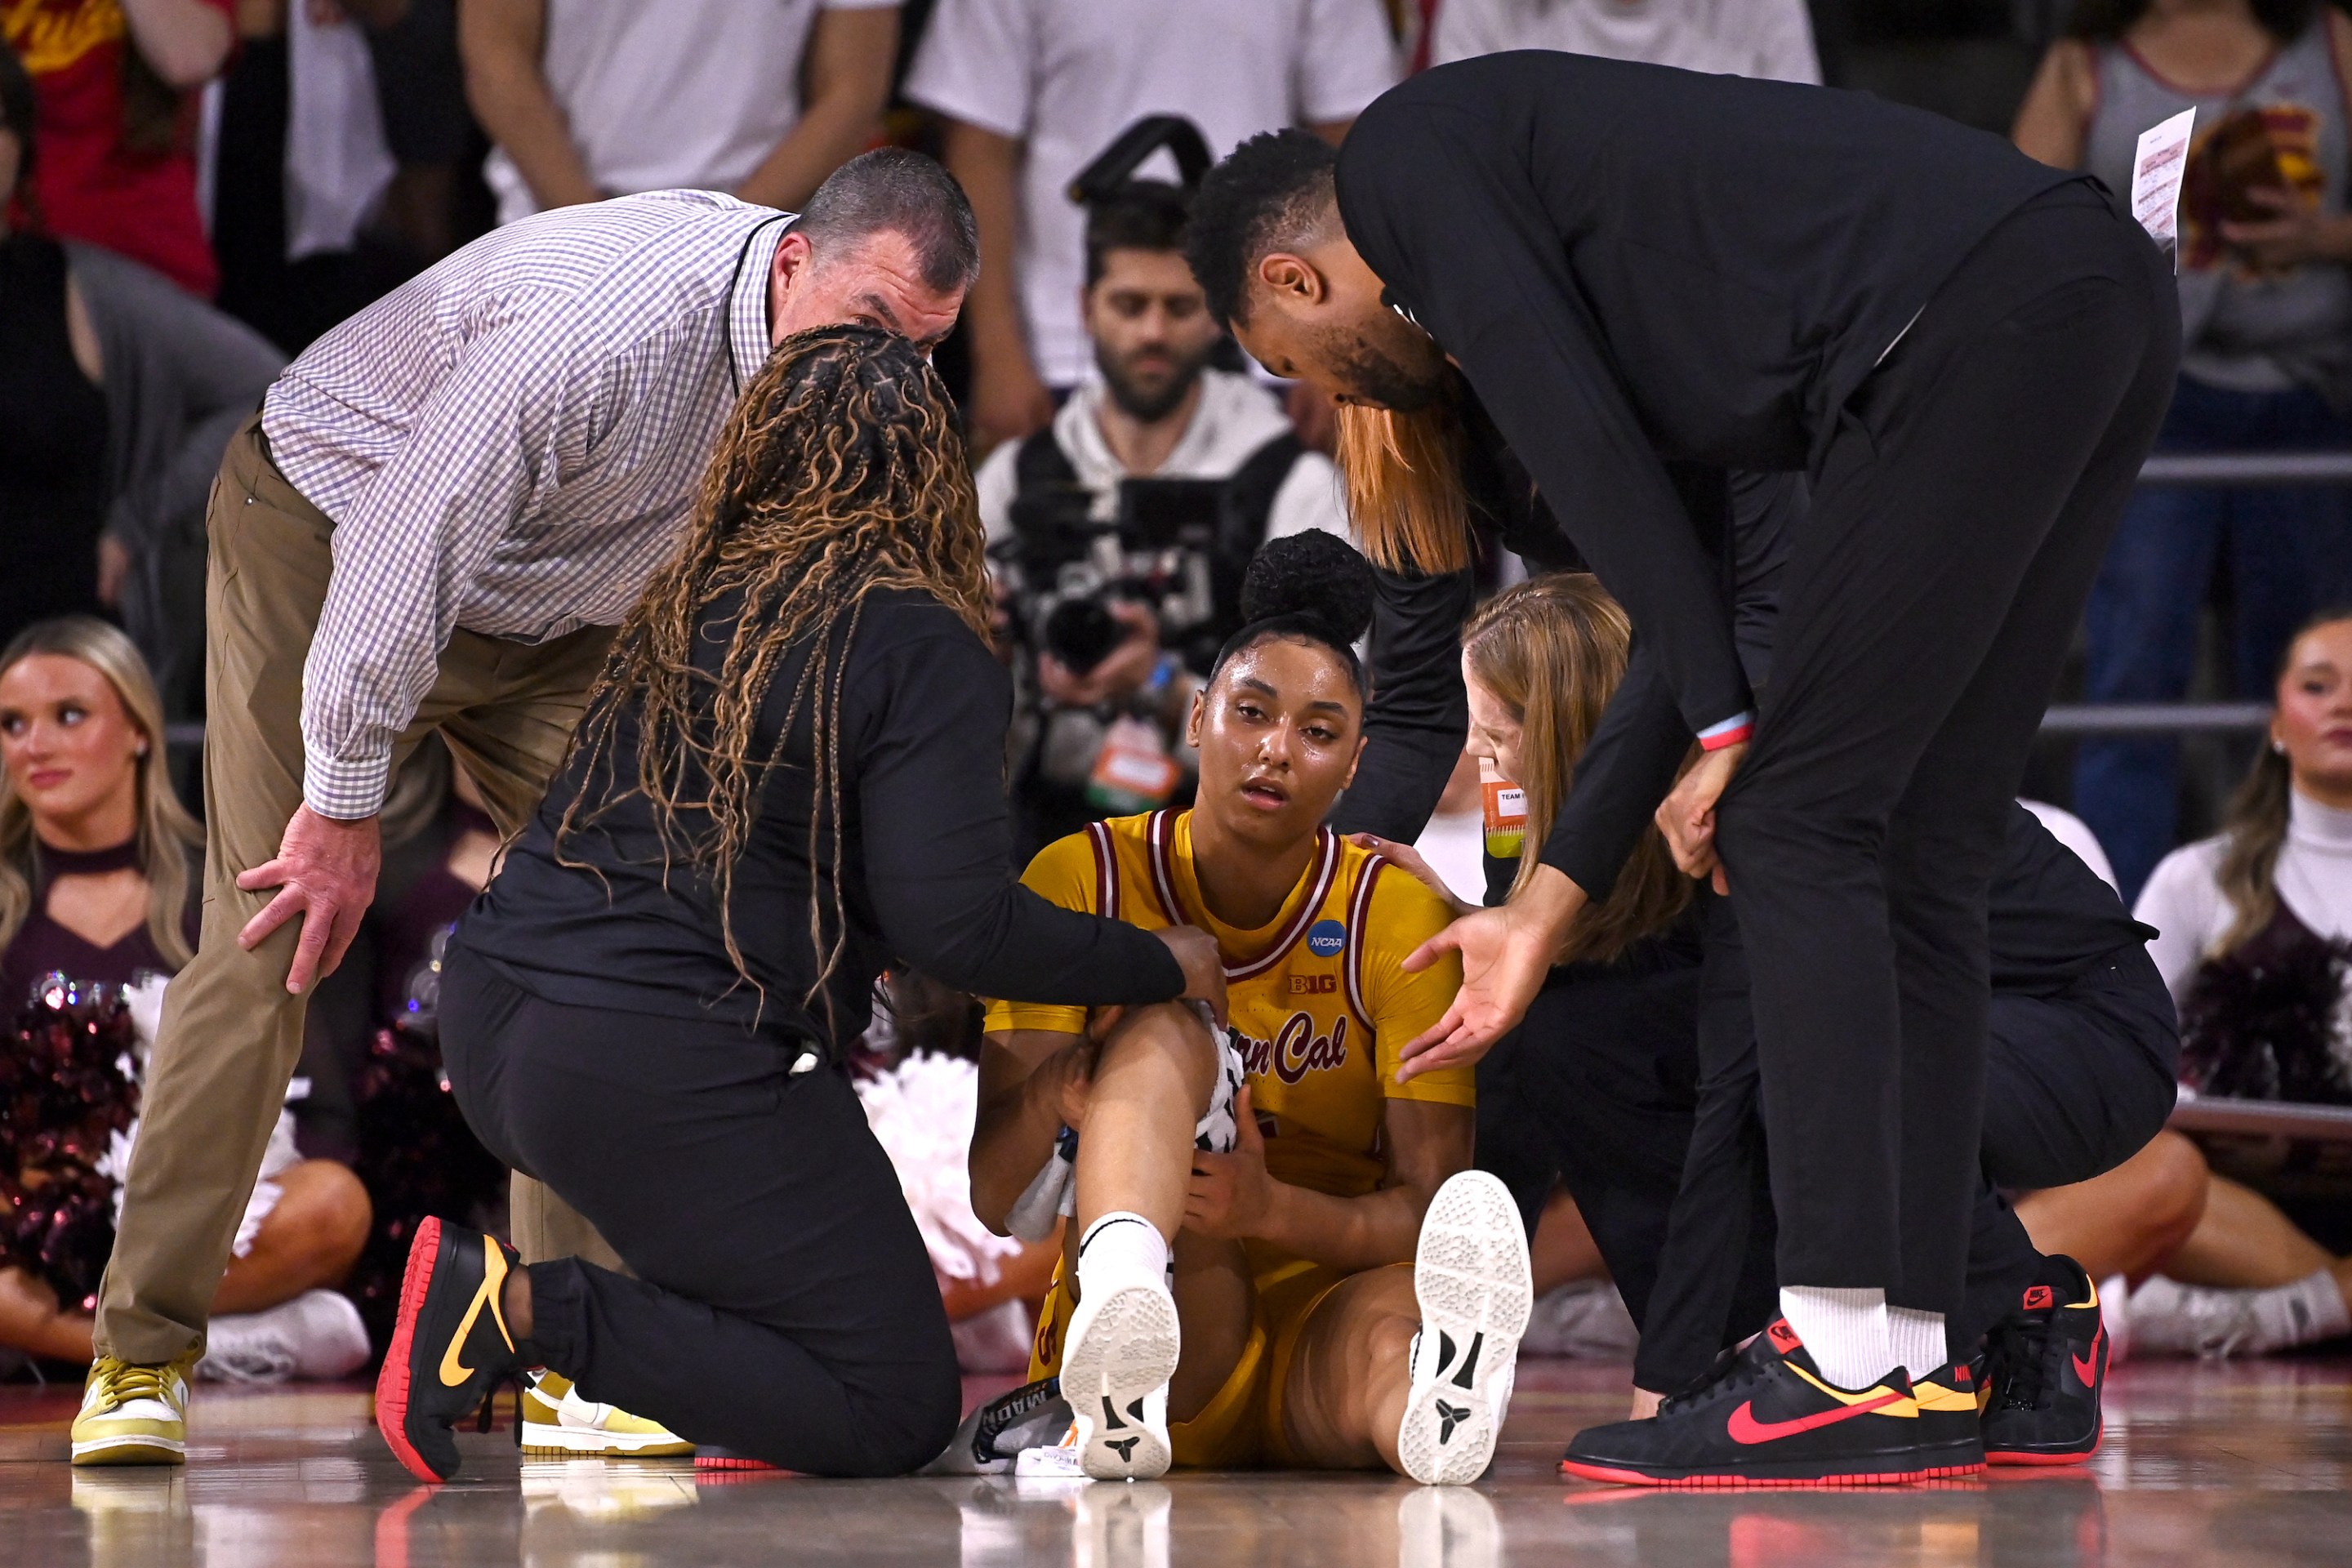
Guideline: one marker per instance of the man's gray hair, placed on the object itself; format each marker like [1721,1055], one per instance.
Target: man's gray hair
[893,191]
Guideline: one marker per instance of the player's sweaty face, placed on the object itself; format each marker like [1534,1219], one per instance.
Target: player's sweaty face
[1278,732]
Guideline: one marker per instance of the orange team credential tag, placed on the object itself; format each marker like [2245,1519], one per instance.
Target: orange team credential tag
[1507,814]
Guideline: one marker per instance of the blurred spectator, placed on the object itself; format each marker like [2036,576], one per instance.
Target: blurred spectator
[1140,505]
[1767,38]
[301,170]
[2257,921]
[114,79]
[1033,89]
[94,886]
[427,129]
[118,392]
[2266,303]
[2256,945]
[589,98]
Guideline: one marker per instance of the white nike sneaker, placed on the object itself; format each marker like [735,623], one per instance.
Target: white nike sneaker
[1116,1360]
[557,1421]
[317,1336]
[1475,1288]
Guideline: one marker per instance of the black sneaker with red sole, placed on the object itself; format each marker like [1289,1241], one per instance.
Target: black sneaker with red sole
[1768,1418]
[450,1346]
[2047,1365]
[1950,1406]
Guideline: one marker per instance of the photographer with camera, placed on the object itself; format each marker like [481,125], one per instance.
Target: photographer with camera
[1119,534]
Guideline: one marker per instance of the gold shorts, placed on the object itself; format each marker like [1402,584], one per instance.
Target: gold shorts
[1242,1425]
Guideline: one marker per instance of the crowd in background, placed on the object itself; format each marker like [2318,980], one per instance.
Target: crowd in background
[192,191]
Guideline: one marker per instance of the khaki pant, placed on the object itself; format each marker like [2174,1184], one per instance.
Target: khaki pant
[231,1033]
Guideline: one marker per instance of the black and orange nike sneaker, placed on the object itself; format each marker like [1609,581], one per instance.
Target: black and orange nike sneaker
[1951,1401]
[2047,1363]
[1769,1418]
[450,1346]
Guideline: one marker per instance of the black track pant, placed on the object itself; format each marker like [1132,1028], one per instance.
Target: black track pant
[1608,1084]
[1960,512]
[784,1305]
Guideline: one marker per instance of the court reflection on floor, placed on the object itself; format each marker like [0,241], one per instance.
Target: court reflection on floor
[2247,1463]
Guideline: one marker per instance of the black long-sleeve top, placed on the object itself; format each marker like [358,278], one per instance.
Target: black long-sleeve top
[1419,714]
[1633,265]
[924,871]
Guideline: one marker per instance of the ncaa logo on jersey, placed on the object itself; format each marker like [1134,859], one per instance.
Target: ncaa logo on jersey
[1326,937]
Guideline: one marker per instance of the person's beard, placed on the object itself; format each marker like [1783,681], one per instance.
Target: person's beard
[1376,376]
[1143,399]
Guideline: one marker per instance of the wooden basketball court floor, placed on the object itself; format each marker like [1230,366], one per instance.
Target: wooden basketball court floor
[2242,1464]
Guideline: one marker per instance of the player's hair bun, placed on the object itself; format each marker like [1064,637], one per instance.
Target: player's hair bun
[1312,575]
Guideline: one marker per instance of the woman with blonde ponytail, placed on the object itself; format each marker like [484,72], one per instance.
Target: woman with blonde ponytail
[2268,901]
[94,852]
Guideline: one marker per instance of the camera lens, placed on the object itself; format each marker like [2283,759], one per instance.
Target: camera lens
[1079,632]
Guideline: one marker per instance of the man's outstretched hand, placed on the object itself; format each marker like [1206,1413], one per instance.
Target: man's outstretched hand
[1506,954]
[325,872]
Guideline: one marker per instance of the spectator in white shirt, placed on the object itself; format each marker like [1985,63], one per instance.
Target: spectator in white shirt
[1767,38]
[589,98]
[1033,89]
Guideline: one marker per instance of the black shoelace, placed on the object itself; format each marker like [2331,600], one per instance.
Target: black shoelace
[1733,1369]
[2015,1358]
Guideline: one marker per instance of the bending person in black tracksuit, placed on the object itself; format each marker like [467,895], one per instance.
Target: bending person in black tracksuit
[1632,1075]
[790,777]
[1970,355]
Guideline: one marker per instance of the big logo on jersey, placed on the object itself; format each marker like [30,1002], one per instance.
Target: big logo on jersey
[1295,1049]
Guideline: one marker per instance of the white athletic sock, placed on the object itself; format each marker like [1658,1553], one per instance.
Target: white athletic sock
[1918,1339]
[1843,1330]
[2170,1318]
[1121,1246]
[2322,1315]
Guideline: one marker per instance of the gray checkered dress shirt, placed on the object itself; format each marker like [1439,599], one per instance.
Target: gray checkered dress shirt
[510,443]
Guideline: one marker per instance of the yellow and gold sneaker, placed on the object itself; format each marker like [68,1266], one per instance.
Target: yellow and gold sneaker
[133,1414]
[557,1422]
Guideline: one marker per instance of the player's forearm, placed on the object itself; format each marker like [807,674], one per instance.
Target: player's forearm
[510,98]
[1012,1138]
[989,168]
[850,54]
[1349,1234]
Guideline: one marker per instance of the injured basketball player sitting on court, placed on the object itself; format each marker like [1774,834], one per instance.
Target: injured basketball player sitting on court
[1278,1254]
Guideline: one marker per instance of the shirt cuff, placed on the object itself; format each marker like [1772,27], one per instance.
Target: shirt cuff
[1731,733]
[344,790]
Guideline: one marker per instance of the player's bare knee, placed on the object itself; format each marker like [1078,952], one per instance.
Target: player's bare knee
[1172,1033]
[2178,1181]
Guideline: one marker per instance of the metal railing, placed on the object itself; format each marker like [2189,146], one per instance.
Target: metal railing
[2262,469]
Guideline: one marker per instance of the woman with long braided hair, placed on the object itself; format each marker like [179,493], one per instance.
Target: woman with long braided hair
[790,777]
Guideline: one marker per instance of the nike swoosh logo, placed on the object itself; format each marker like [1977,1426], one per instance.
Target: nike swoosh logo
[2088,1370]
[1744,1428]
[455,1372]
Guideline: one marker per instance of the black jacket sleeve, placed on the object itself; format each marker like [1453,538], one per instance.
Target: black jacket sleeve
[1444,212]
[1419,716]
[1639,745]
[931,714]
